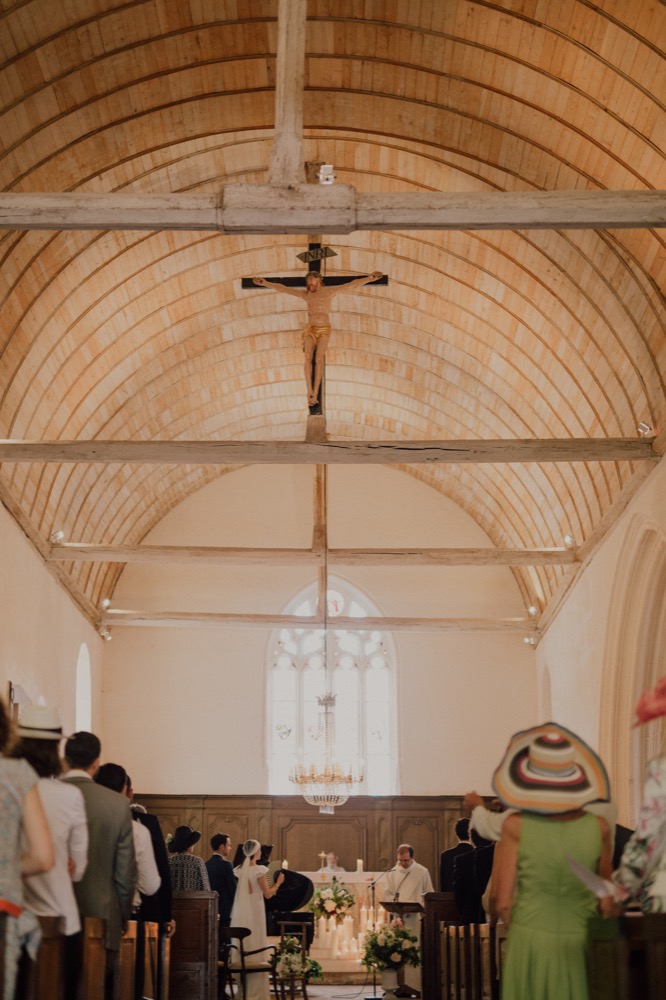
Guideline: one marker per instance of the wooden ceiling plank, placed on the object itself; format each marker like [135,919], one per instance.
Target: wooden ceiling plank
[331,452]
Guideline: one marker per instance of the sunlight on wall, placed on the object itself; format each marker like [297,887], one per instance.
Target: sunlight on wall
[83,691]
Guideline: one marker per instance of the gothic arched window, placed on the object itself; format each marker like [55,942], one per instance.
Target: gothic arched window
[361,675]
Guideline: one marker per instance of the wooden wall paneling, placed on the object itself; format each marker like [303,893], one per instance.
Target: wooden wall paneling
[366,827]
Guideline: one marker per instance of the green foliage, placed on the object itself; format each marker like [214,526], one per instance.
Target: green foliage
[289,962]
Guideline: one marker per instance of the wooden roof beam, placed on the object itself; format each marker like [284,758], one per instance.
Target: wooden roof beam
[211,619]
[87,552]
[312,208]
[332,452]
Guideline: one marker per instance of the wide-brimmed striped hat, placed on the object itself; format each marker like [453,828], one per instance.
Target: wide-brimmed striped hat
[550,770]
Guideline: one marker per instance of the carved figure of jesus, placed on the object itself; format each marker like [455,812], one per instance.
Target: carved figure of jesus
[317,333]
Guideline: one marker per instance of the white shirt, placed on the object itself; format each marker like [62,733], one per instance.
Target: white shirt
[51,893]
[149,877]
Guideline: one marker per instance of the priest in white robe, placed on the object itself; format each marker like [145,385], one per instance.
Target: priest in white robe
[406,883]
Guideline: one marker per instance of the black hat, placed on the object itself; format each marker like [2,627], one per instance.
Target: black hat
[184,837]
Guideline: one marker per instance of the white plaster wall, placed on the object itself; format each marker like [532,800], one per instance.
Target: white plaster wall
[42,630]
[184,708]
[573,648]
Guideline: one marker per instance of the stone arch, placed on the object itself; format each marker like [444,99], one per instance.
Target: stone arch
[633,661]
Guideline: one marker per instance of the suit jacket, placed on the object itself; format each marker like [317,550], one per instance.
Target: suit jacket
[471,873]
[157,907]
[107,887]
[446,862]
[223,882]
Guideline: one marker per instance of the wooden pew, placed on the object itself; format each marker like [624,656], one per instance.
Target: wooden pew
[94,958]
[437,907]
[627,957]
[194,946]
[127,962]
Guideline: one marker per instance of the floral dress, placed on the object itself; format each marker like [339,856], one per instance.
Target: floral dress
[642,871]
[16,779]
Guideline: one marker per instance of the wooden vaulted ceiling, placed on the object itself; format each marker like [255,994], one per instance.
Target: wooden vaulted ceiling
[134,335]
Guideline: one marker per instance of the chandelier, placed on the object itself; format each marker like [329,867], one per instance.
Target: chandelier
[326,783]
[329,784]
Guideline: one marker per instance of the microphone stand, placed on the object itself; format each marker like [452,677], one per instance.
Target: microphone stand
[374,968]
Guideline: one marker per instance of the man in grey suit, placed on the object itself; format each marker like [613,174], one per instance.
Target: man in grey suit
[107,888]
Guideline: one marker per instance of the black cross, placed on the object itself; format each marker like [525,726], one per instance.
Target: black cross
[312,258]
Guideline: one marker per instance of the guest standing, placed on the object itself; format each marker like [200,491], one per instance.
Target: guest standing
[221,875]
[188,873]
[549,774]
[21,812]
[447,859]
[107,887]
[641,874]
[51,894]
[249,910]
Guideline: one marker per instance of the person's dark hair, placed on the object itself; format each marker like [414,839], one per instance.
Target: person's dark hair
[112,776]
[315,274]
[42,755]
[239,857]
[218,839]
[406,847]
[82,749]
[462,828]
[478,840]
[5,727]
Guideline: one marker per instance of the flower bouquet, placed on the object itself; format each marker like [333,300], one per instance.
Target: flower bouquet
[335,900]
[390,947]
[289,962]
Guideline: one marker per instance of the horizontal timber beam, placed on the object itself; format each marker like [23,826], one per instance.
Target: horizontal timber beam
[210,619]
[329,452]
[86,552]
[338,208]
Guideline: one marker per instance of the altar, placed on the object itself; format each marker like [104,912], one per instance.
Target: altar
[338,945]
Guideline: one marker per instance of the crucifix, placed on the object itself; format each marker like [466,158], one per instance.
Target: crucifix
[317,292]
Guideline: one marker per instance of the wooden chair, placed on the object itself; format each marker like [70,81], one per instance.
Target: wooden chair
[234,938]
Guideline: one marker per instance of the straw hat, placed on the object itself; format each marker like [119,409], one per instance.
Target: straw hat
[550,770]
[39,722]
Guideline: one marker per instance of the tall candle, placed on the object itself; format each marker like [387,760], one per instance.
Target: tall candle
[359,865]
[285,863]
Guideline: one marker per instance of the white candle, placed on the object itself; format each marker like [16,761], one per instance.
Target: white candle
[359,865]
[285,863]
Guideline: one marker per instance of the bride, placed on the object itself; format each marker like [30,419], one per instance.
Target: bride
[249,911]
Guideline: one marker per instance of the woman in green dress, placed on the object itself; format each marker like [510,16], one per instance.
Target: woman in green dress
[549,774]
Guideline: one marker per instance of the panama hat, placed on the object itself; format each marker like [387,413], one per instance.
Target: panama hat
[550,770]
[39,722]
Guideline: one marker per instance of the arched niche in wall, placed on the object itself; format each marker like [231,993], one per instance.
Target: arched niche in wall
[634,660]
[83,690]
